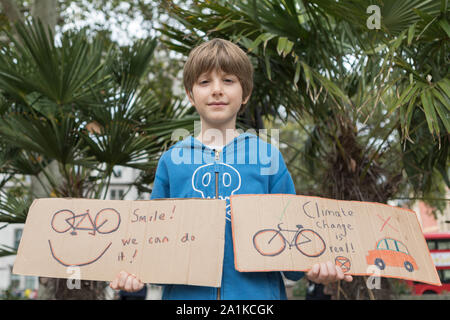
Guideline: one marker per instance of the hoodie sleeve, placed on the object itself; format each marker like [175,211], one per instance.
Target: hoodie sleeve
[161,187]
[281,182]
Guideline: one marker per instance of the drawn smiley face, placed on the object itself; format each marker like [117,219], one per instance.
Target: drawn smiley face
[106,221]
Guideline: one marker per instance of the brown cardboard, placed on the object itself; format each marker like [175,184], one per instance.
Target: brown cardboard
[344,232]
[177,241]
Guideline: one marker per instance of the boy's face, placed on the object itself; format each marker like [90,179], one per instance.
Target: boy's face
[217,97]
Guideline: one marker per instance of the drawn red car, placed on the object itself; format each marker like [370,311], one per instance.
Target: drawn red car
[391,252]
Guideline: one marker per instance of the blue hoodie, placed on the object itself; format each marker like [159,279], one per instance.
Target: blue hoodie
[246,165]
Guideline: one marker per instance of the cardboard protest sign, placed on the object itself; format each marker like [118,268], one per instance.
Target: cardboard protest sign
[177,241]
[291,233]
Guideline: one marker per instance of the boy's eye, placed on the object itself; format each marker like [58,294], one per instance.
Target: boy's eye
[228,80]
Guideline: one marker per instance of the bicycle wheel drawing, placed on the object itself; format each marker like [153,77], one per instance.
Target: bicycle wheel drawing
[310,243]
[61,220]
[107,220]
[269,242]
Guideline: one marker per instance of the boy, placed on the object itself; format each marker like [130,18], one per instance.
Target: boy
[219,162]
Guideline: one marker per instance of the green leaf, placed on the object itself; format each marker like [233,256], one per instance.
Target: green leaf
[262,37]
[404,98]
[282,42]
[441,98]
[288,48]
[297,74]
[443,113]
[13,209]
[409,113]
[399,40]
[43,105]
[284,46]
[444,24]
[268,69]
[308,75]
[430,113]
[7,251]
[411,32]
[224,24]
[444,116]
[444,84]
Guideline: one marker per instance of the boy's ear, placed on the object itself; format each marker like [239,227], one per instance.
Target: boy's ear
[246,99]
[189,95]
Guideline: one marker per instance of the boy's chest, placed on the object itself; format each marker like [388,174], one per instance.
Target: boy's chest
[217,180]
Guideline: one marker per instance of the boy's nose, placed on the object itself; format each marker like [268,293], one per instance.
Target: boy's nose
[217,88]
[217,93]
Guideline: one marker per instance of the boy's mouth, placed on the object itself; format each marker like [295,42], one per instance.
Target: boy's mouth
[219,103]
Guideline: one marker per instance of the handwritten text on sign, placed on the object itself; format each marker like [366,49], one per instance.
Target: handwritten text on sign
[291,233]
[176,241]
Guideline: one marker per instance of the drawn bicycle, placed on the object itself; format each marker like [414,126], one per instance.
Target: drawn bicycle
[106,221]
[272,242]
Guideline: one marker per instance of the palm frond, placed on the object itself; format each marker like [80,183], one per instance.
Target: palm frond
[36,72]
[7,251]
[13,209]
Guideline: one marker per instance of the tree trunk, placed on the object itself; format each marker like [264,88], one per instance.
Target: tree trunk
[344,181]
[11,11]
[45,10]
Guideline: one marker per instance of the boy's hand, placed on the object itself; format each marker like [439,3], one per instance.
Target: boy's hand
[325,273]
[127,282]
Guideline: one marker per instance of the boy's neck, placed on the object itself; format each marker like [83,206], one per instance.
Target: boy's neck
[217,137]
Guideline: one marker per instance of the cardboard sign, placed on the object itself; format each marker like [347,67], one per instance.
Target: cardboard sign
[291,233]
[177,241]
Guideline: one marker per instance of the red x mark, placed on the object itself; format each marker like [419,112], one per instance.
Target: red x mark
[386,223]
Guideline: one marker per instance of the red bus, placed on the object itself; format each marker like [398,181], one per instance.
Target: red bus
[439,246]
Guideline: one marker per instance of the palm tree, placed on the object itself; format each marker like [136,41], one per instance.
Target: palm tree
[69,114]
[370,105]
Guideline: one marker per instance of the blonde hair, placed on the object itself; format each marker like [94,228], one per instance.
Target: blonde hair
[219,54]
